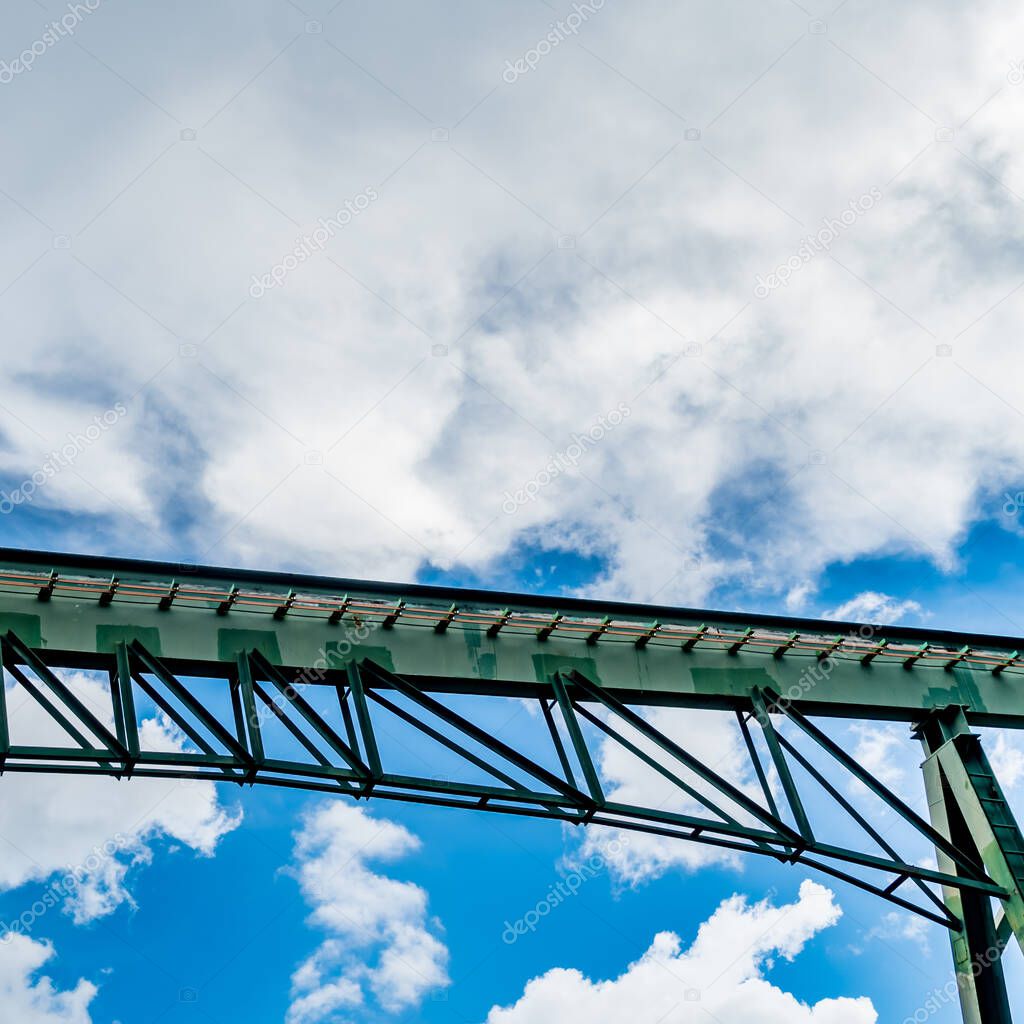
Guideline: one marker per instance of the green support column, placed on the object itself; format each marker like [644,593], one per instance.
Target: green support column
[967,805]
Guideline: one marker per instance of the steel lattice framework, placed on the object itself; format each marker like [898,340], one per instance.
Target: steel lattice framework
[234,657]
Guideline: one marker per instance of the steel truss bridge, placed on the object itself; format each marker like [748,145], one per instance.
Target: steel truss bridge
[238,659]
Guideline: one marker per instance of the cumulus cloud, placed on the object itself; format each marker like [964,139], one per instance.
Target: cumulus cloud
[873,606]
[381,939]
[32,999]
[539,252]
[1007,759]
[721,975]
[887,751]
[898,924]
[88,832]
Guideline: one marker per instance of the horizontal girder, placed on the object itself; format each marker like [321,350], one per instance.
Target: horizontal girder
[502,644]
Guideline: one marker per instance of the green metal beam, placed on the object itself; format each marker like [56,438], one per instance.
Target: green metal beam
[507,644]
[267,637]
[968,807]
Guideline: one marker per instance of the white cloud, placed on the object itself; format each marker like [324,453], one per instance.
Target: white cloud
[887,752]
[380,935]
[872,606]
[1007,760]
[898,924]
[94,829]
[720,976]
[29,999]
[797,598]
[799,434]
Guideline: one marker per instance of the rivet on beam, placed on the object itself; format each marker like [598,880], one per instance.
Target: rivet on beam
[785,646]
[689,645]
[442,626]
[392,617]
[645,638]
[545,631]
[335,617]
[1005,663]
[736,647]
[168,599]
[46,590]
[225,606]
[281,611]
[108,595]
[495,627]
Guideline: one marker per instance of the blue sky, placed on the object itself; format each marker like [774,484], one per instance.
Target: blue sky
[707,304]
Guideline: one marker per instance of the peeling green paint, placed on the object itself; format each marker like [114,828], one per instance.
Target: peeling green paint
[26,627]
[232,642]
[355,652]
[545,665]
[108,637]
[740,680]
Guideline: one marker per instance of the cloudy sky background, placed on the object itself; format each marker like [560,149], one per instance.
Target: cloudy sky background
[528,253]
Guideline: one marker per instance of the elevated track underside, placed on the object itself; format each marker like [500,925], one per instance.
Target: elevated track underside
[303,682]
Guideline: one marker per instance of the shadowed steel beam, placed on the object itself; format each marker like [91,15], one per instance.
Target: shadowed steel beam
[481,736]
[965,862]
[690,791]
[642,726]
[573,728]
[966,804]
[125,703]
[862,821]
[781,765]
[251,715]
[43,673]
[355,680]
[755,760]
[292,695]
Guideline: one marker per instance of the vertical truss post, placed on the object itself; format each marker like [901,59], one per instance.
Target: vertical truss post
[967,806]
[250,713]
[124,705]
[355,683]
[781,765]
[5,732]
[572,725]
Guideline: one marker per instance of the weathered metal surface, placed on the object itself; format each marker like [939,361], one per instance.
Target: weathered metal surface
[269,636]
[461,640]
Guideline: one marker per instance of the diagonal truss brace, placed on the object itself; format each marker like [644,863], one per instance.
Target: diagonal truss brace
[345,756]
